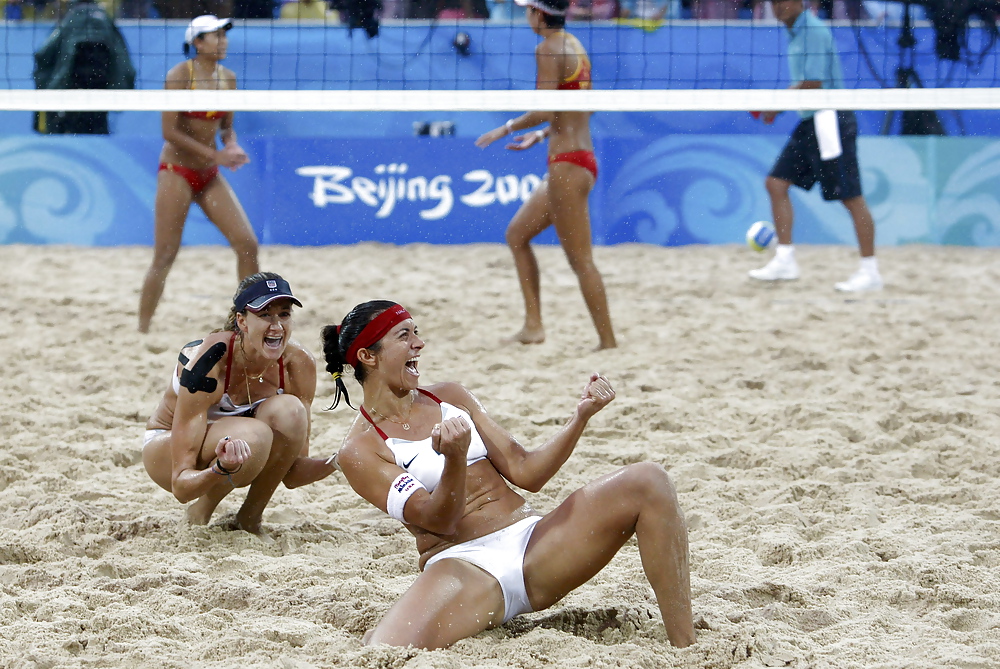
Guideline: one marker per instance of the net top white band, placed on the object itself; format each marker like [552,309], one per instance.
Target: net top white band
[520,100]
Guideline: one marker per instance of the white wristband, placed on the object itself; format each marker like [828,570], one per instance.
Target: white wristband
[332,460]
[399,492]
[509,125]
[541,134]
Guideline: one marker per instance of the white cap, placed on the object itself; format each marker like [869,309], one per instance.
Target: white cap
[206,23]
[546,6]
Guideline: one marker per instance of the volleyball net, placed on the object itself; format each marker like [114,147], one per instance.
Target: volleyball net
[356,138]
[647,64]
[506,101]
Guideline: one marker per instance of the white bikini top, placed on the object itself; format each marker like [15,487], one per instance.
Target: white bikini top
[419,459]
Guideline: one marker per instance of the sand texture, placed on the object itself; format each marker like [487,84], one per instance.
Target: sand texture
[837,460]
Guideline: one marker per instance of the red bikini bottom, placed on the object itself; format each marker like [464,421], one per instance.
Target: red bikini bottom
[584,159]
[197,179]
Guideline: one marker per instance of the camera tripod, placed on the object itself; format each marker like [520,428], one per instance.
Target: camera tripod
[915,122]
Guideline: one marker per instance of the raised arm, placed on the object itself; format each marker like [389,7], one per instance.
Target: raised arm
[531,470]
[372,472]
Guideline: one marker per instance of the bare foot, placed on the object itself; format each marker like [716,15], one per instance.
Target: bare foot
[234,525]
[526,336]
[603,346]
[200,511]
[251,526]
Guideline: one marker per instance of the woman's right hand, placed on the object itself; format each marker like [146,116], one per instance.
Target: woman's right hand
[232,156]
[452,438]
[232,453]
[597,394]
[526,141]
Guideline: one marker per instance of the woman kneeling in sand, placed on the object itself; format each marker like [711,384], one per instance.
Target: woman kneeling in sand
[435,460]
[236,410]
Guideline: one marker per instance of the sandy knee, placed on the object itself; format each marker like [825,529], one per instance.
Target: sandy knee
[582,266]
[516,241]
[287,416]
[649,480]
[245,248]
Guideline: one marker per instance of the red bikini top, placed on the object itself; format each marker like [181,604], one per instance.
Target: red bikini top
[580,79]
[201,115]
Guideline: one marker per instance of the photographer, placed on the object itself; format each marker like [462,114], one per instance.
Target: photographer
[86,50]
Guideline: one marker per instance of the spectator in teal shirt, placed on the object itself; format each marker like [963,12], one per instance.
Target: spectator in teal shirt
[812,55]
[823,148]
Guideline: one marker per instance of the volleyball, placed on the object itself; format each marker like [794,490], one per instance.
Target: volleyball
[760,235]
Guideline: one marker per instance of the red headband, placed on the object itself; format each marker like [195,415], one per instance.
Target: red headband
[375,330]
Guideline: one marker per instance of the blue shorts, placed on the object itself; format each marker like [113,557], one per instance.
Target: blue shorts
[800,164]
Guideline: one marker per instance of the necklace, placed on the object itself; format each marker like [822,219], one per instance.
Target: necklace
[246,374]
[405,424]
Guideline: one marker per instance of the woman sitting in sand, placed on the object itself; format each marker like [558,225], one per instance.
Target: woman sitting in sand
[236,410]
[435,460]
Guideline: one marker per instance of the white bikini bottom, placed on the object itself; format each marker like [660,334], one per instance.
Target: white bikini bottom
[150,435]
[500,554]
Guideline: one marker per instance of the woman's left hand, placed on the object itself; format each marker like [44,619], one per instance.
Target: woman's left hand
[597,394]
[232,156]
[493,135]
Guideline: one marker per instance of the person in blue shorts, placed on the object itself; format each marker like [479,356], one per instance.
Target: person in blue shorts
[823,148]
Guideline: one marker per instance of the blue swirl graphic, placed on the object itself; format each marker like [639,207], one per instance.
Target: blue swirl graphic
[968,211]
[683,190]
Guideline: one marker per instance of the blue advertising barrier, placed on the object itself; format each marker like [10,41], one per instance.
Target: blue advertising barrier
[675,190]
[439,191]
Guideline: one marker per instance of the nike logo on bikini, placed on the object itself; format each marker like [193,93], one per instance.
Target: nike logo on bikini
[406,465]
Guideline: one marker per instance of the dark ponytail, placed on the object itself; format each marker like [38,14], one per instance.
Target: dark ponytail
[553,21]
[330,336]
[337,339]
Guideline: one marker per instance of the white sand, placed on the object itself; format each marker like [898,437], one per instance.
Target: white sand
[837,460]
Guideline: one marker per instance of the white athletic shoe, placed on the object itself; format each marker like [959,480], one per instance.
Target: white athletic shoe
[860,282]
[778,269]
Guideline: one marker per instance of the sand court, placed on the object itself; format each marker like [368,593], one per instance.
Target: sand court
[836,458]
